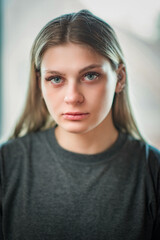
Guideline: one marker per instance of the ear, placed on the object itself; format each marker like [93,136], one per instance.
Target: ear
[121,78]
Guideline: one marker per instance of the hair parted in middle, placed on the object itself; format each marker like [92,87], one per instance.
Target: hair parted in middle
[84,28]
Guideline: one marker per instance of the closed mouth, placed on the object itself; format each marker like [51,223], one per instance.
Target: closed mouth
[75,115]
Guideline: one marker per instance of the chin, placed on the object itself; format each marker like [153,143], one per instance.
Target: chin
[76,128]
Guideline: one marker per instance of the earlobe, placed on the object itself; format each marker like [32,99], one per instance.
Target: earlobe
[121,78]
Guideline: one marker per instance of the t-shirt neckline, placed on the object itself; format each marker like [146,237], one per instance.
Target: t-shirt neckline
[85,158]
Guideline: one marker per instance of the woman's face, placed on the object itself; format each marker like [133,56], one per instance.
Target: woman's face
[78,87]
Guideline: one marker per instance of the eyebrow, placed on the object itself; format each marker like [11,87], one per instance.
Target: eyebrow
[92,66]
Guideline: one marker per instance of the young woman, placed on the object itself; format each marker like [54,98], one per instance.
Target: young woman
[81,170]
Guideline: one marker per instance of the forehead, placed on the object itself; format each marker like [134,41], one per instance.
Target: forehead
[77,55]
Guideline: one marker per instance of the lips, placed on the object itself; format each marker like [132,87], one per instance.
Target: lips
[75,116]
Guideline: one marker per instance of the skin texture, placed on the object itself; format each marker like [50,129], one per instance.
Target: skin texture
[78,86]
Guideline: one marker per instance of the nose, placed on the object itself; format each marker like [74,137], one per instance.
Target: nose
[73,95]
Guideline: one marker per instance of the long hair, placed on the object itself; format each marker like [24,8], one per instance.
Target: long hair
[80,28]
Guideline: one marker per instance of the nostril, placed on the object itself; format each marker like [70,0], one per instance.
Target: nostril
[81,99]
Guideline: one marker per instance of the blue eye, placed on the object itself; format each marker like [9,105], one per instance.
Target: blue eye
[91,76]
[55,79]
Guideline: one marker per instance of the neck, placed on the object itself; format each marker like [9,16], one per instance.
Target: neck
[94,141]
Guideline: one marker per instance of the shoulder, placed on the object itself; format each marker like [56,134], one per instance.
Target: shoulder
[143,155]
[142,147]
[23,146]
[138,147]
[18,156]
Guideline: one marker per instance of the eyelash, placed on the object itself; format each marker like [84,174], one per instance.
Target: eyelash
[52,78]
[85,75]
[92,73]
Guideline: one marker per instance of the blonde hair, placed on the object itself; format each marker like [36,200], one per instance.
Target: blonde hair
[81,28]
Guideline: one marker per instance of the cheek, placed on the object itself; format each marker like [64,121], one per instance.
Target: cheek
[52,98]
[48,96]
[46,91]
[104,96]
[101,93]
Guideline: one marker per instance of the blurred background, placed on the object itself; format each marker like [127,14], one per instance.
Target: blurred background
[137,24]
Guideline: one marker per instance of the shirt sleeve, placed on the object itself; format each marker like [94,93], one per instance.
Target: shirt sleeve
[156,233]
[1,234]
[153,156]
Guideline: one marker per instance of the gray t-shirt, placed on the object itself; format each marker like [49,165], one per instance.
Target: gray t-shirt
[49,193]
